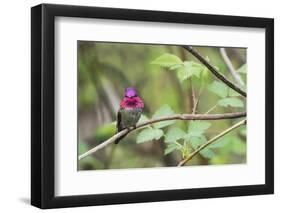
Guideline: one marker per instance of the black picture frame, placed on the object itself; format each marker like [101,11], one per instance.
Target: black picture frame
[43,105]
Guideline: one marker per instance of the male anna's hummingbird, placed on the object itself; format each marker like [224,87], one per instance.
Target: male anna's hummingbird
[130,110]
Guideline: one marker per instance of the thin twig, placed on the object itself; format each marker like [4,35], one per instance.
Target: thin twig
[211,109]
[215,71]
[231,68]
[184,161]
[170,117]
[193,108]
[198,98]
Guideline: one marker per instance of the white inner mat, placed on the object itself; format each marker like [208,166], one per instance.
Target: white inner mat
[68,181]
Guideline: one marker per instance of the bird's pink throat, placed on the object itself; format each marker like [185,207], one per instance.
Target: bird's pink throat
[133,102]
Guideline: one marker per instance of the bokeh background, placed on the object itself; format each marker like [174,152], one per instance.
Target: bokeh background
[106,69]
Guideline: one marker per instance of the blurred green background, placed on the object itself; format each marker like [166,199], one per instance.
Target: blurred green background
[106,69]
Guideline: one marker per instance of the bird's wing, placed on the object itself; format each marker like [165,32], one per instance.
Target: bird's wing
[118,125]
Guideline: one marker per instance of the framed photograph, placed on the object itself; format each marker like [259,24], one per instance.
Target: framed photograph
[140,106]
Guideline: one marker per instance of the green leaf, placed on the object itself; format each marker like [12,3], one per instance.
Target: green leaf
[205,73]
[243,69]
[207,153]
[193,68]
[145,135]
[232,143]
[189,69]
[197,128]
[165,110]
[174,134]
[219,143]
[169,150]
[233,93]
[171,147]
[158,133]
[222,90]
[182,74]
[176,66]
[167,60]
[232,102]
[219,89]
[195,142]
[149,135]
[143,118]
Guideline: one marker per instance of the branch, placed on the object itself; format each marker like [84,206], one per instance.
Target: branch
[215,71]
[231,68]
[184,161]
[170,117]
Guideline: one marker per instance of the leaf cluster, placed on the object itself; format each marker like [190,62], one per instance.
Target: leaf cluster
[184,69]
[175,138]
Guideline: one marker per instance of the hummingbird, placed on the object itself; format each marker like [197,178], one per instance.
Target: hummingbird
[130,110]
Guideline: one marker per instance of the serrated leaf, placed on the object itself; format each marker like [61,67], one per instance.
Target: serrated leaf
[219,89]
[174,134]
[149,135]
[197,128]
[165,110]
[207,153]
[189,69]
[167,60]
[243,69]
[193,68]
[170,148]
[232,102]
